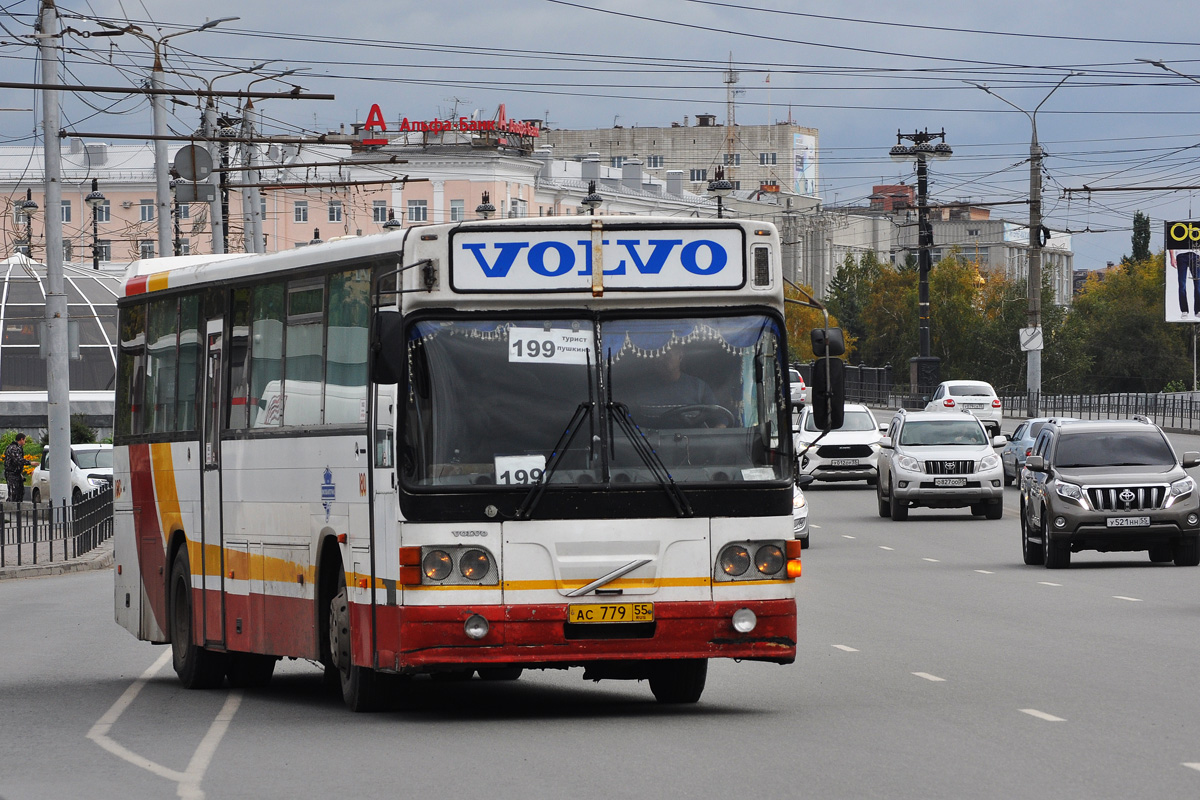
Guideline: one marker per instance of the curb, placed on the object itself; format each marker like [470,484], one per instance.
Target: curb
[100,557]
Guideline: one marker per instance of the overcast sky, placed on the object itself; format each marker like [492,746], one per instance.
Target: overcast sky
[856,71]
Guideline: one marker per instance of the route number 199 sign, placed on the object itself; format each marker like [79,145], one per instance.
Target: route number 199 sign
[556,346]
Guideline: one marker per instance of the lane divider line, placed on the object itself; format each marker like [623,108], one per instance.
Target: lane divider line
[846,536]
[1192,765]
[985,572]
[1123,597]
[929,677]
[931,560]
[885,547]
[845,648]
[1048,583]
[1042,715]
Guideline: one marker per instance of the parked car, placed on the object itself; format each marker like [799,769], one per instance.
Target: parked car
[972,397]
[1110,486]
[939,459]
[1021,443]
[800,510]
[91,468]
[849,453]
[799,390]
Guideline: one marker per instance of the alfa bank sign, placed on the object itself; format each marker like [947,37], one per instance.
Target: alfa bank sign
[502,124]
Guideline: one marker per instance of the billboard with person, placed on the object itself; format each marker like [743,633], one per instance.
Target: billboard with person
[1183,271]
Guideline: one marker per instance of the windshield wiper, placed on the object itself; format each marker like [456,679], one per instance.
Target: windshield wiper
[525,510]
[650,458]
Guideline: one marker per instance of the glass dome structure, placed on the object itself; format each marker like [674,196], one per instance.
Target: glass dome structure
[92,310]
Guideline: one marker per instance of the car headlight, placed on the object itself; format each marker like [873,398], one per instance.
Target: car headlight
[798,501]
[1069,491]
[97,481]
[1182,487]
[875,448]
[909,463]
[990,461]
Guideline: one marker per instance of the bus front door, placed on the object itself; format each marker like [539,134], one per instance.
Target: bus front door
[212,537]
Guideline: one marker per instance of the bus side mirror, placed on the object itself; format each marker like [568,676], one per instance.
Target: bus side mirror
[828,393]
[387,347]
[828,342]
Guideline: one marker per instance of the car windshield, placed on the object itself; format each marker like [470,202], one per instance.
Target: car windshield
[94,459]
[1116,449]
[970,390]
[942,432]
[854,421]
[491,401]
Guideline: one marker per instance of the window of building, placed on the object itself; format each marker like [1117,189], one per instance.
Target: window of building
[770,183]
[185,247]
[972,231]
[68,250]
[335,210]
[379,211]
[146,210]
[184,210]
[733,159]
[418,211]
[300,211]
[654,162]
[66,211]
[699,174]
[736,184]
[458,210]
[104,249]
[517,209]
[104,212]
[766,159]
[146,248]
[618,161]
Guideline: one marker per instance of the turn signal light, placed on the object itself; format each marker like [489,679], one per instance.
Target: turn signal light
[793,568]
[410,556]
[410,576]
[794,548]
[362,583]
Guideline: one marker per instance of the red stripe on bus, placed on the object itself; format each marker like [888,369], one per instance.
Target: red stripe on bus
[151,548]
[136,285]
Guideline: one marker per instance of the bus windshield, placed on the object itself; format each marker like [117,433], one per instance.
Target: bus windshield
[490,403]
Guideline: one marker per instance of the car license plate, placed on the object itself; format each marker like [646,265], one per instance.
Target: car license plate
[950,482]
[973,405]
[585,613]
[1128,522]
[843,462]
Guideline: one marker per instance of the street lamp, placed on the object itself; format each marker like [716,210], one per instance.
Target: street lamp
[721,188]
[592,200]
[925,369]
[392,223]
[1037,236]
[485,209]
[28,209]
[94,200]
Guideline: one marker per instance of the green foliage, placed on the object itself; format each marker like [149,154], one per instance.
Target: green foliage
[81,433]
[1141,237]
[848,294]
[800,320]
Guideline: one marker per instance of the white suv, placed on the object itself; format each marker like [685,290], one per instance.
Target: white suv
[971,397]
[91,468]
[939,459]
[849,453]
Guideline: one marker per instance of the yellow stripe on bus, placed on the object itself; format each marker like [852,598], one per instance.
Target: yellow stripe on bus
[157,281]
[166,495]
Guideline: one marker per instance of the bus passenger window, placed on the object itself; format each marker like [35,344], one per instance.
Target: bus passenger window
[131,366]
[189,363]
[346,348]
[239,366]
[162,364]
[266,356]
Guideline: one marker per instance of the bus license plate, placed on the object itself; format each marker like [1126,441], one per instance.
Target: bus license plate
[1128,522]
[843,462]
[950,482]
[585,613]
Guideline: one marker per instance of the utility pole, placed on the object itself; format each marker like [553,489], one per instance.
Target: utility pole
[58,386]
[208,128]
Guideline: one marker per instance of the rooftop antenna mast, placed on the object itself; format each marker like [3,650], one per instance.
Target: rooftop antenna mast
[731,77]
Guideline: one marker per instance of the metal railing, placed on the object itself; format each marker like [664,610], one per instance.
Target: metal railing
[1177,410]
[36,533]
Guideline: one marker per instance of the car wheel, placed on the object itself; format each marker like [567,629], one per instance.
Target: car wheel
[76,496]
[1058,554]
[899,508]
[1161,553]
[804,543]
[978,509]
[1032,552]
[994,510]
[1008,479]
[36,496]
[1187,552]
[885,505]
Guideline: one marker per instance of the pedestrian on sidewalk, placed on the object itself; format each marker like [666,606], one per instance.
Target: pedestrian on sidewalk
[14,469]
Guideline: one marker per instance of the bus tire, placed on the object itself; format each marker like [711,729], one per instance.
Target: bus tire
[509,673]
[197,667]
[360,689]
[250,670]
[679,681]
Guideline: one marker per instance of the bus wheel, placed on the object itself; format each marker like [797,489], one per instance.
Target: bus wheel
[359,685]
[196,667]
[250,670]
[500,673]
[680,681]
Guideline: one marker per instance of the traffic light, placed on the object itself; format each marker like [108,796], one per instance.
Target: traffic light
[828,392]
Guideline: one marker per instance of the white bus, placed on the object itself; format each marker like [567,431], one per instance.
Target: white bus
[470,448]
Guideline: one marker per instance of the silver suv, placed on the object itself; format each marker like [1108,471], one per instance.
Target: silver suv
[939,459]
[1108,485]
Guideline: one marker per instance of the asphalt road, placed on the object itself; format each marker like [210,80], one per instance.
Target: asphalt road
[932,664]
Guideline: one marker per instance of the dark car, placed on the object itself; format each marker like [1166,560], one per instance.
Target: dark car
[1021,443]
[1110,486]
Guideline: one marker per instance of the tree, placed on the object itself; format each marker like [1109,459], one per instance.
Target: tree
[1141,237]
[849,292]
[800,321]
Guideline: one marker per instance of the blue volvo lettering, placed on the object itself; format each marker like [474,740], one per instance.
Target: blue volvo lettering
[504,261]
[718,258]
[658,256]
[537,259]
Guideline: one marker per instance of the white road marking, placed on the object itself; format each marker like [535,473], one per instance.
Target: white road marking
[1033,712]
[846,648]
[1123,597]
[885,547]
[929,677]
[188,781]
[1192,765]
[931,560]
[985,572]
[844,536]
[1048,583]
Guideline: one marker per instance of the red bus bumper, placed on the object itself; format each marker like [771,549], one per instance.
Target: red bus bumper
[412,638]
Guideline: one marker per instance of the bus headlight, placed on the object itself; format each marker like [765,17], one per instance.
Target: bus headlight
[476,627]
[744,620]
[769,559]
[474,565]
[437,565]
[734,560]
